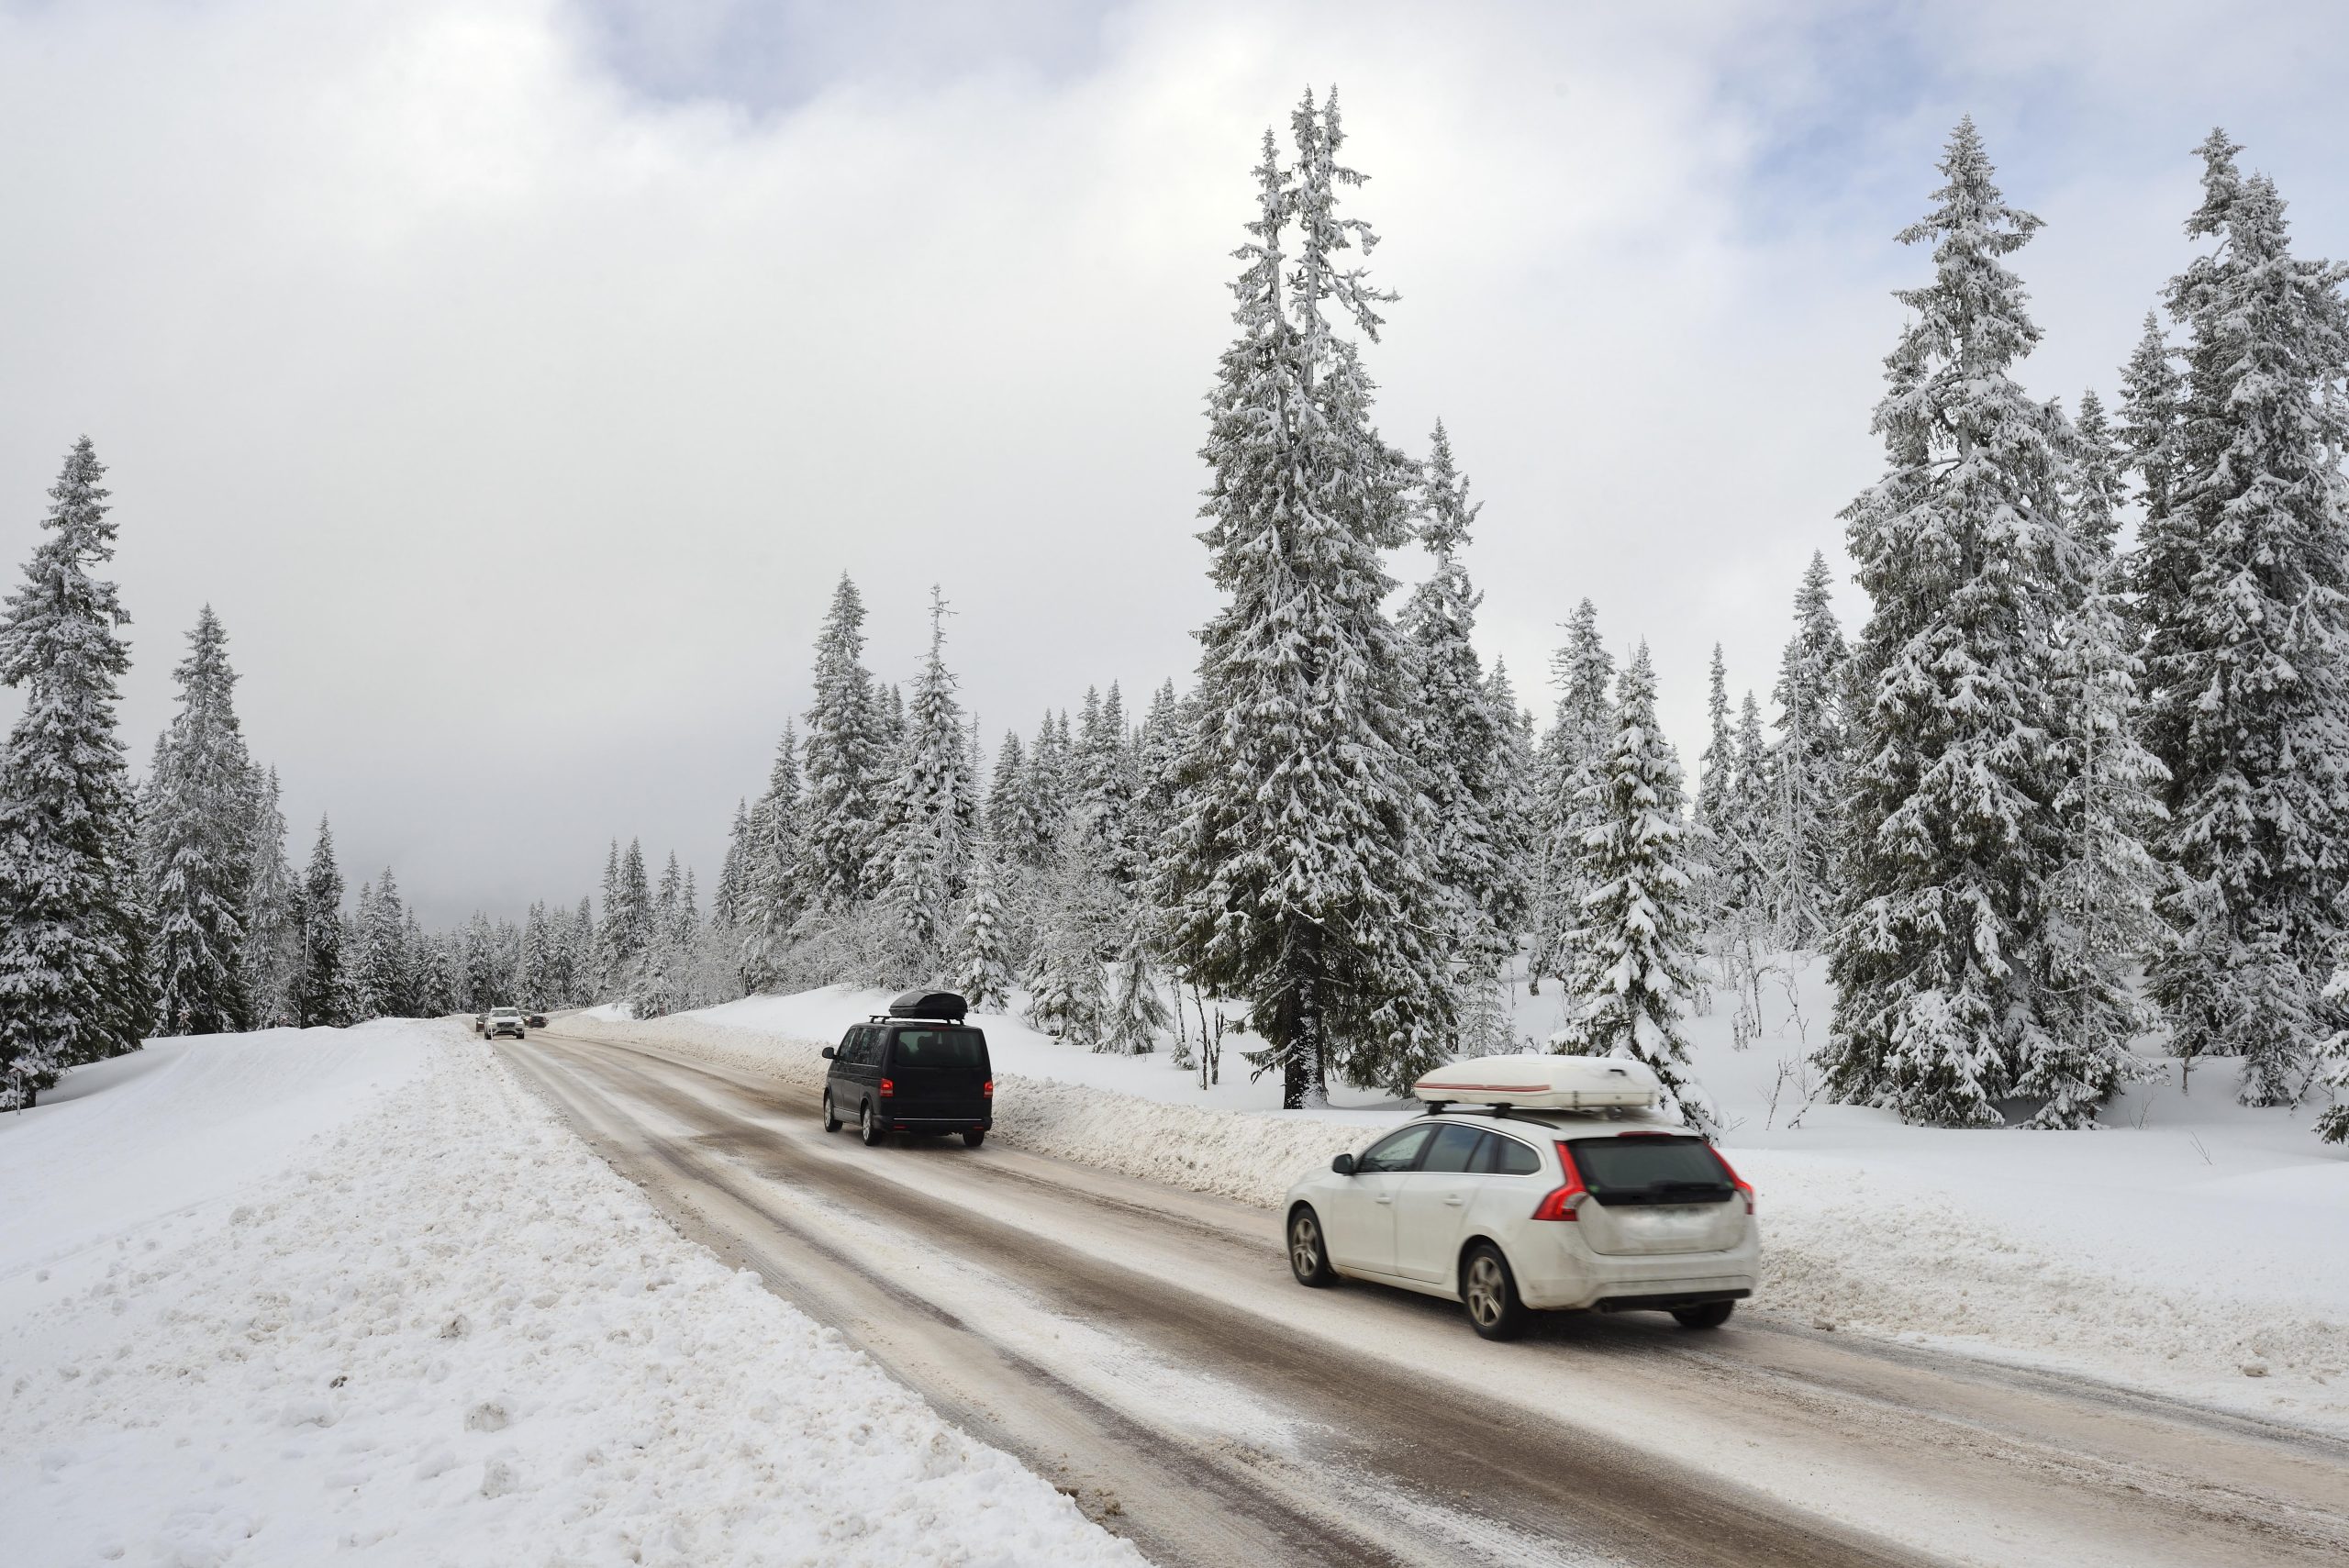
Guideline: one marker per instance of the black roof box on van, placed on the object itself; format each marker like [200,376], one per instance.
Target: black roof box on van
[930,1004]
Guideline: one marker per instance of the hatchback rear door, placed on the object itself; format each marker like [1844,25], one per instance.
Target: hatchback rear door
[1653,1194]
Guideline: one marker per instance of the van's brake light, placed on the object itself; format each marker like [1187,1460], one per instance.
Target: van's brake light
[887,1088]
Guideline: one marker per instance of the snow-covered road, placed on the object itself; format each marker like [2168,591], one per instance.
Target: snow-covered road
[1145,1350]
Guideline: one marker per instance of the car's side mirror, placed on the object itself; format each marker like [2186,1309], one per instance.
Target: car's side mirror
[829,1054]
[1343,1164]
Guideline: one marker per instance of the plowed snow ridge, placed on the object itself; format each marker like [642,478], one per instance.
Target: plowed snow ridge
[447,1332]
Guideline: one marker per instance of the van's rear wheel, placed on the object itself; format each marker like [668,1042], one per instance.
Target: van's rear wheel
[831,1117]
[974,1137]
[868,1128]
[1711,1315]
[1488,1291]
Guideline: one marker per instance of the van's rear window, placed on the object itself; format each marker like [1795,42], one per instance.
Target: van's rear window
[938,1048]
[1649,1169]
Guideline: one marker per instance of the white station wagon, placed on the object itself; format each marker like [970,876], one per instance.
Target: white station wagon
[1556,1184]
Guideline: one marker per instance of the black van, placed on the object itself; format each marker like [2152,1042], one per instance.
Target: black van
[916,1069]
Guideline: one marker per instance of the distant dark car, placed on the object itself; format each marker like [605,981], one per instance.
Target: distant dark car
[918,1068]
[481,1023]
[536,1021]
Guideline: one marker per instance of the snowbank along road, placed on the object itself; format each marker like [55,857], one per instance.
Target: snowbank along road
[1146,1351]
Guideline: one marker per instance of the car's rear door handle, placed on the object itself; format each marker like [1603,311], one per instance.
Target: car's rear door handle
[1387,1198]
[1454,1201]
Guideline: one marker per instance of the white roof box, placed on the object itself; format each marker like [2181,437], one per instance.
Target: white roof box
[1543,1083]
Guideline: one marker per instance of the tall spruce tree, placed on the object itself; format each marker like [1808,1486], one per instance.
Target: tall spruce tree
[1633,972]
[1302,877]
[74,985]
[321,995]
[1583,673]
[775,867]
[2247,671]
[1955,840]
[272,955]
[1808,766]
[929,849]
[1716,800]
[1458,741]
[847,751]
[200,849]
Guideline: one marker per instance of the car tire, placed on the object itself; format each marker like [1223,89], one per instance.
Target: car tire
[1488,1290]
[976,1137]
[1309,1251]
[1711,1315]
[868,1127]
[831,1118]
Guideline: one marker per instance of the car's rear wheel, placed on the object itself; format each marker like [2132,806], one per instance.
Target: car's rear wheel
[974,1137]
[831,1117]
[868,1127]
[1309,1255]
[1488,1291]
[1711,1315]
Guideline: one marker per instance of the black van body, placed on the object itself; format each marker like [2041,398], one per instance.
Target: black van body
[902,1074]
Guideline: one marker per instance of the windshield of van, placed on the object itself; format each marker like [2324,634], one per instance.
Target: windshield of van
[938,1047]
[1649,1169]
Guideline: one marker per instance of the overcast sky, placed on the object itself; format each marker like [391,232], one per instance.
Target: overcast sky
[515,378]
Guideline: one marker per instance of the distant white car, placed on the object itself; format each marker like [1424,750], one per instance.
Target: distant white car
[504,1020]
[1533,1184]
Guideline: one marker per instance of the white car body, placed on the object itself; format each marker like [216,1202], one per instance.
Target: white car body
[504,1020]
[1416,1228]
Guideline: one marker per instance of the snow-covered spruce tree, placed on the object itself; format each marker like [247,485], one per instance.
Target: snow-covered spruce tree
[929,847]
[1807,764]
[1633,971]
[2247,692]
[2102,919]
[1106,786]
[2148,438]
[382,973]
[1136,1013]
[1716,792]
[1066,995]
[199,853]
[982,970]
[1457,746]
[73,965]
[775,871]
[1954,845]
[1302,877]
[1584,674]
[726,903]
[629,921]
[844,757]
[272,955]
[320,995]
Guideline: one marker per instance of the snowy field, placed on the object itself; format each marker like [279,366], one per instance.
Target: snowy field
[317,1296]
[2189,1246]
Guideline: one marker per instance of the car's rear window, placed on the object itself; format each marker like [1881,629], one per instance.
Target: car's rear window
[938,1048]
[1649,1169]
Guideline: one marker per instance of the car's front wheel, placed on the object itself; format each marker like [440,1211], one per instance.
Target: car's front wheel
[831,1117]
[1488,1291]
[868,1127]
[1309,1255]
[1711,1315]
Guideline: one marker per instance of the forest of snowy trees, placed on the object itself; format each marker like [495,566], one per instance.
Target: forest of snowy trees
[2072,796]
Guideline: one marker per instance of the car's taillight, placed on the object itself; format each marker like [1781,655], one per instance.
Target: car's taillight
[987,1088]
[887,1088]
[1735,1179]
[1560,1204]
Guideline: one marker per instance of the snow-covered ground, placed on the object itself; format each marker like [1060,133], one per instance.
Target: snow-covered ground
[279,1298]
[2189,1246]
